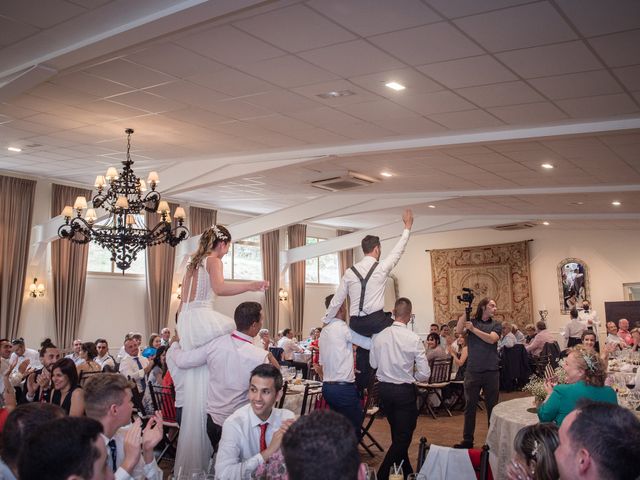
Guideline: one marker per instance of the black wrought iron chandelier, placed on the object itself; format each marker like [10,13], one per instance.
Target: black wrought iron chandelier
[124,231]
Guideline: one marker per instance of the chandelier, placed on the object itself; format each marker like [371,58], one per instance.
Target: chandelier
[124,231]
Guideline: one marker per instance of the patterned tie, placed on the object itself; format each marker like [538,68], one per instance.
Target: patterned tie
[142,384]
[114,455]
[263,439]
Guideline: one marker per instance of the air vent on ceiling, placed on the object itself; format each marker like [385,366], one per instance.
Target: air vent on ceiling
[515,226]
[345,182]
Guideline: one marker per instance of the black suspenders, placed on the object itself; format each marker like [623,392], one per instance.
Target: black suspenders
[363,283]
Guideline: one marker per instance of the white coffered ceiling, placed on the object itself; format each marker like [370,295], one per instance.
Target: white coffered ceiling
[223,96]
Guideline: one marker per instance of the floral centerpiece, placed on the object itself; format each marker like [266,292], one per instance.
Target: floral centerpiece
[536,384]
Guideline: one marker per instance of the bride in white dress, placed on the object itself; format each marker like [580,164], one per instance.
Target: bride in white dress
[198,324]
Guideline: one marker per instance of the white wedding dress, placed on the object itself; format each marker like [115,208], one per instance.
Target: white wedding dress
[198,324]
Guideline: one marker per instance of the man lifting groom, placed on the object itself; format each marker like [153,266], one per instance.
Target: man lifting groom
[365,284]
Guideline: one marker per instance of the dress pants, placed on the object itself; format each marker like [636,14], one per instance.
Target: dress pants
[399,405]
[343,398]
[367,326]
[214,432]
[489,383]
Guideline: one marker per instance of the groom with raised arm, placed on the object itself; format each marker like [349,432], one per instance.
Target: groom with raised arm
[365,284]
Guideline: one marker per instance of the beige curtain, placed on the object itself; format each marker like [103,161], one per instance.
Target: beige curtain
[161,261]
[16,212]
[269,246]
[69,271]
[345,257]
[297,238]
[200,219]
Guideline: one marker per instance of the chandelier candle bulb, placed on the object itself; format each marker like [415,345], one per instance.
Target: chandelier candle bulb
[67,211]
[131,220]
[122,202]
[112,174]
[100,181]
[153,178]
[91,215]
[163,207]
[143,186]
[81,203]
[180,214]
[41,288]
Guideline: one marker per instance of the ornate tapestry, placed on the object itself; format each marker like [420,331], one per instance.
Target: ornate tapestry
[498,271]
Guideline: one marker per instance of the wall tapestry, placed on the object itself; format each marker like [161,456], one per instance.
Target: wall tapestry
[497,271]
[573,284]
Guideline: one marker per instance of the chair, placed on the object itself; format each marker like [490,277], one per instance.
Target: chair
[284,393]
[515,370]
[164,399]
[550,354]
[277,353]
[312,399]
[445,458]
[84,376]
[439,379]
[423,449]
[371,410]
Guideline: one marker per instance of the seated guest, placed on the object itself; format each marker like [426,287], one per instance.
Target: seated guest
[137,337]
[22,353]
[19,425]
[599,441]
[542,336]
[9,401]
[155,341]
[635,334]
[159,368]
[66,391]
[589,342]
[460,356]
[585,376]
[75,354]
[534,458]
[129,449]
[520,338]
[507,338]
[574,329]
[165,337]
[623,332]
[445,336]
[88,352]
[39,381]
[434,349]
[135,366]
[253,433]
[530,333]
[289,345]
[314,345]
[434,328]
[329,433]
[613,337]
[65,449]
[104,359]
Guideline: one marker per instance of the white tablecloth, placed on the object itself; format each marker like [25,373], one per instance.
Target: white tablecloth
[507,419]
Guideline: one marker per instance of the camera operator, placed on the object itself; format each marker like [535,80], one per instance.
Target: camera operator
[482,371]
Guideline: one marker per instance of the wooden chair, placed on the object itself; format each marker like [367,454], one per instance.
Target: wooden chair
[371,410]
[312,399]
[84,376]
[439,379]
[284,393]
[277,353]
[164,399]
[549,355]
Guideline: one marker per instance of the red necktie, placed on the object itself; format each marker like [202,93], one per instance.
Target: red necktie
[263,439]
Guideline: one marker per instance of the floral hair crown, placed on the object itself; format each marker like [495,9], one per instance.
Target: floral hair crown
[218,233]
[588,359]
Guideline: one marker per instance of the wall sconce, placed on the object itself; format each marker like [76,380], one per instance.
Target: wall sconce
[179,291]
[283,295]
[36,289]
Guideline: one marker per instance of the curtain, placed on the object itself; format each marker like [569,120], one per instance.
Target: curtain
[345,257]
[200,219]
[69,271]
[16,212]
[269,246]
[297,238]
[159,278]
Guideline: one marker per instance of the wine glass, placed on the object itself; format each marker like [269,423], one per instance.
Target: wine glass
[370,473]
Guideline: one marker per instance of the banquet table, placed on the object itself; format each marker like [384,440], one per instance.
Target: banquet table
[507,418]
[294,396]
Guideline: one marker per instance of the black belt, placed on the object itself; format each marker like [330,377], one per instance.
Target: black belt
[338,383]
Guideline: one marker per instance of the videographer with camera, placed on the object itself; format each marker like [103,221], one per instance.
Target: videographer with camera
[482,373]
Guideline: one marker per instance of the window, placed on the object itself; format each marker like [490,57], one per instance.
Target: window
[100,258]
[244,260]
[323,269]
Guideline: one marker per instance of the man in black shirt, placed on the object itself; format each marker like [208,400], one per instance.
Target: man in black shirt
[482,373]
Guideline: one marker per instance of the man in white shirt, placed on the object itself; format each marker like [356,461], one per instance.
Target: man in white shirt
[254,432]
[336,361]
[107,399]
[230,359]
[75,355]
[134,366]
[22,353]
[396,352]
[589,317]
[289,345]
[365,284]
[165,335]
[104,359]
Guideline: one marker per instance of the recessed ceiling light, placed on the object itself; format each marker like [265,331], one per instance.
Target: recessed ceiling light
[548,166]
[336,94]
[616,203]
[545,223]
[395,86]
[432,206]
[576,203]
[14,149]
[386,174]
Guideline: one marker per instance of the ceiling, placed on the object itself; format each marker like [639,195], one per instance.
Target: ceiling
[223,97]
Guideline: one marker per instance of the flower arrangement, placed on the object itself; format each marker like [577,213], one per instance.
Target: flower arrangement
[536,384]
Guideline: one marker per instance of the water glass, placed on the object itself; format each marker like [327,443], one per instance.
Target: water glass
[370,473]
[396,473]
[299,374]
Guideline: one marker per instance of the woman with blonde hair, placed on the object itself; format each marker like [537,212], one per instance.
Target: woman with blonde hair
[198,323]
[585,376]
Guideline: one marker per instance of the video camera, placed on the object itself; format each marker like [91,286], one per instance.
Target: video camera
[467,296]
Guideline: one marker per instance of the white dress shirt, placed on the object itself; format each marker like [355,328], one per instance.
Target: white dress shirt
[75,357]
[149,471]
[230,359]
[239,450]
[574,329]
[177,374]
[395,351]
[374,294]
[592,316]
[129,368]
[29,353]
[336,351]
[507,341]
[106,360]
[290,346]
